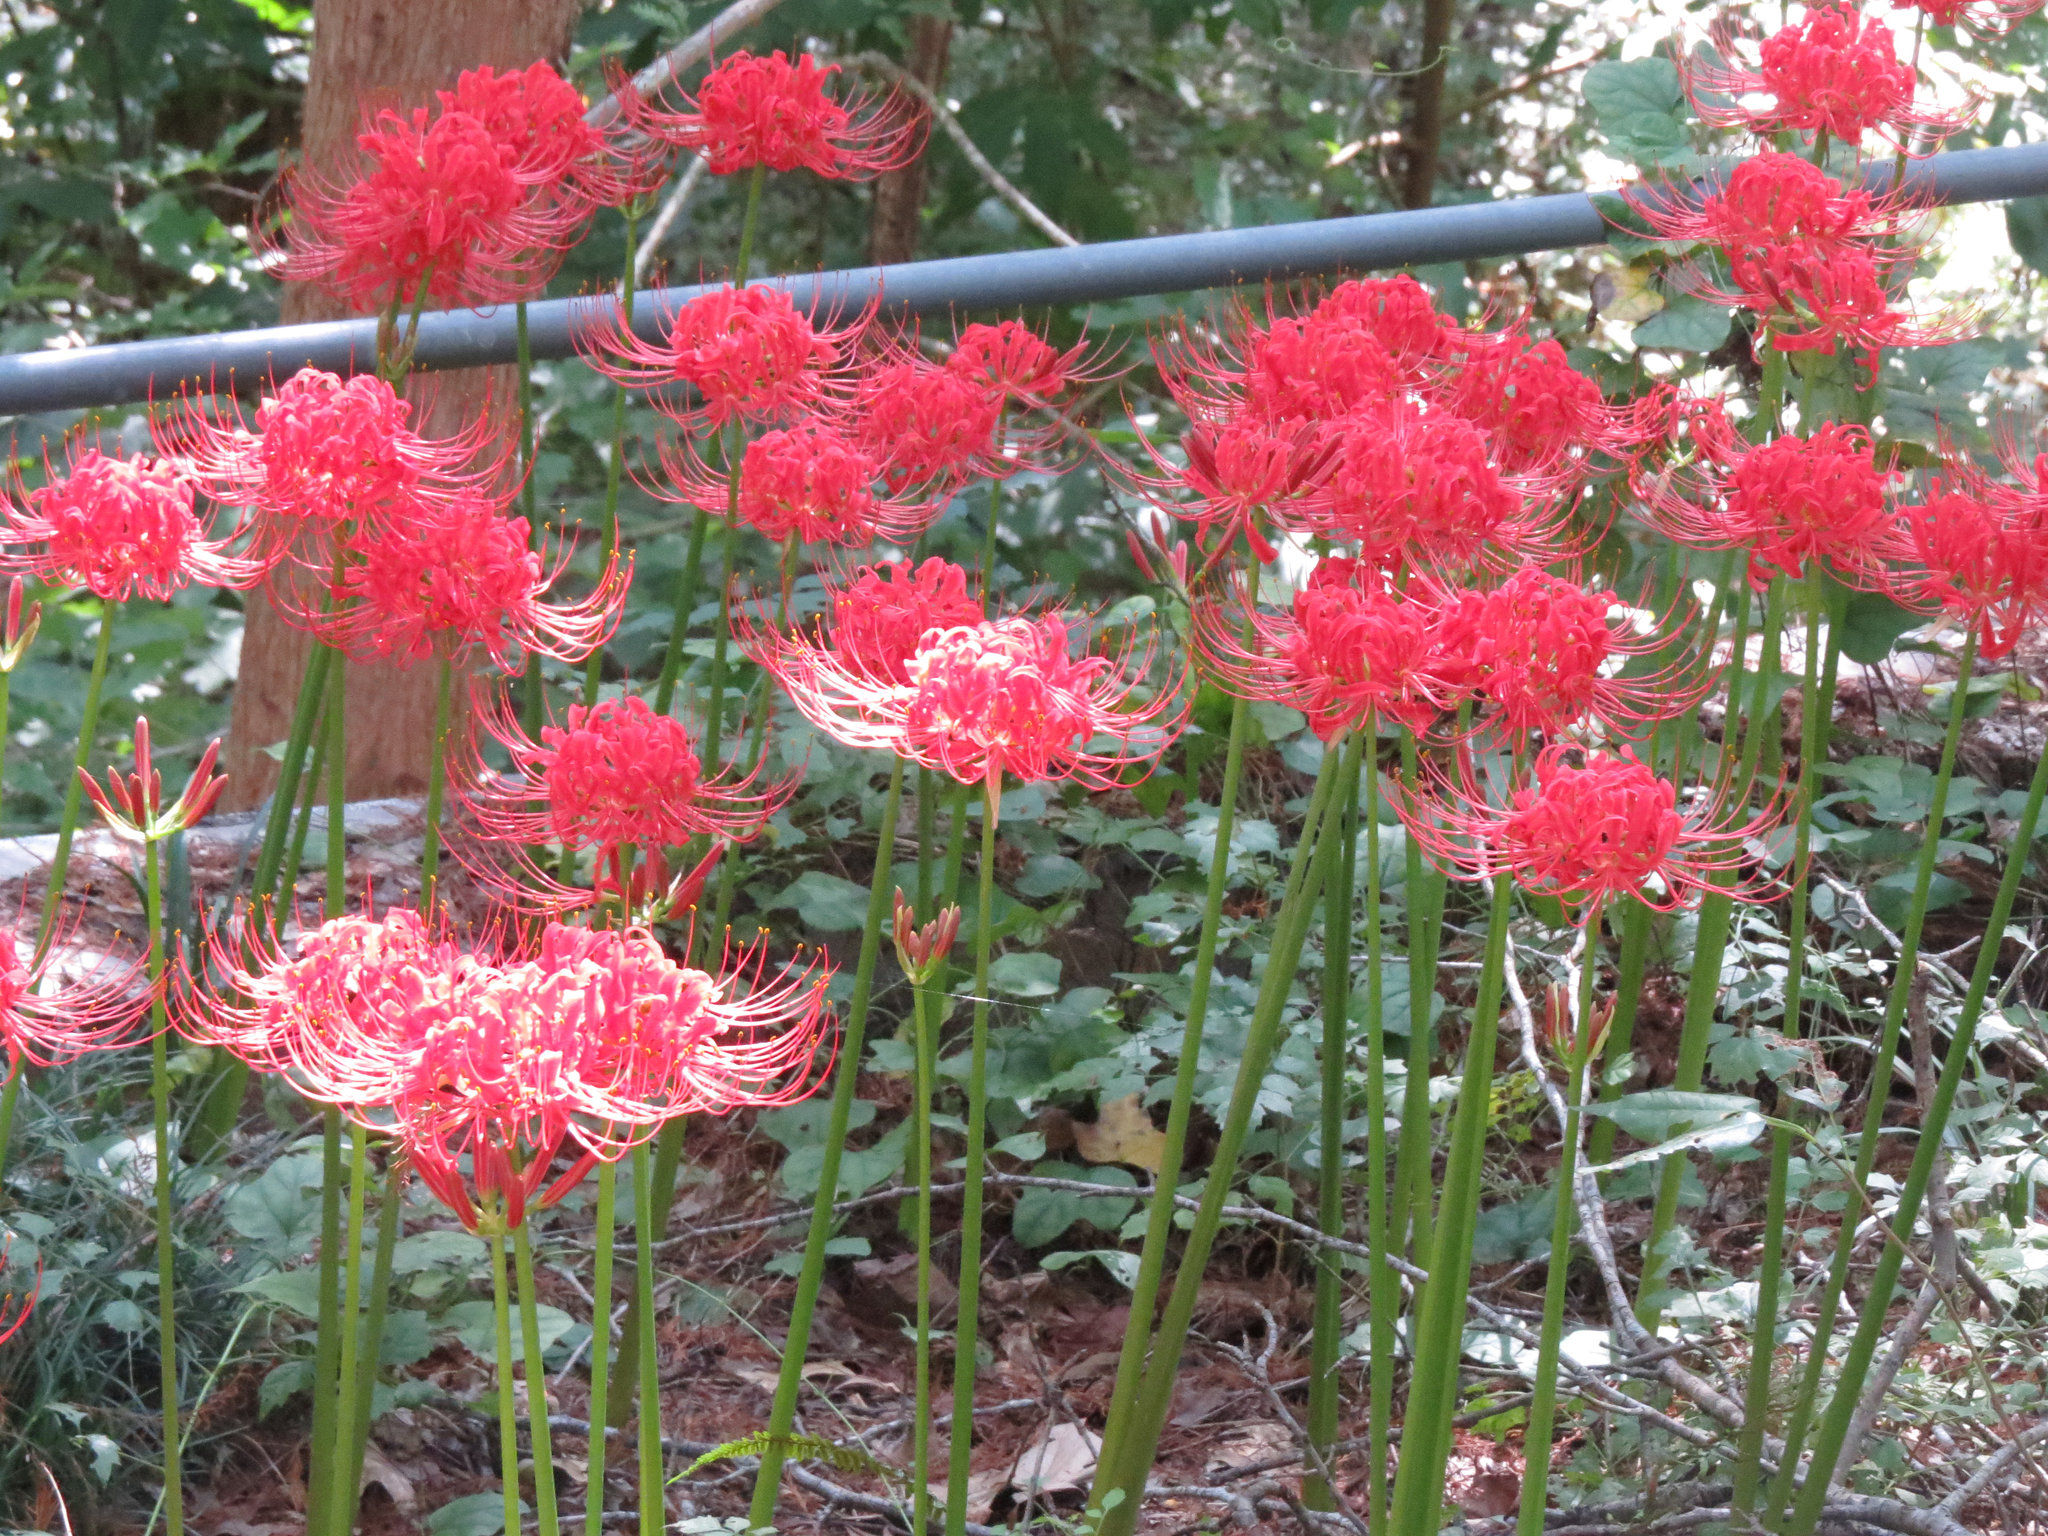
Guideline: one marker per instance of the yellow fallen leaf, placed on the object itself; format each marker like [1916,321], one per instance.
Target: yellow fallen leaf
[1122,1133]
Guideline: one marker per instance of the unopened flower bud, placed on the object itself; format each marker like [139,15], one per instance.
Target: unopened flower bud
[1560,1033]
[922,951]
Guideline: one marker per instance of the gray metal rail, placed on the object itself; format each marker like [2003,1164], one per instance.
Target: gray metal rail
[125,372]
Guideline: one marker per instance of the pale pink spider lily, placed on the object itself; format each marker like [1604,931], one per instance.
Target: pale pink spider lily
[1834,72]
[451,580]
[772,112]
[1349,651]
[1587,826]
[732,354]
[324,451]
[121,528]
[813,481]
[1789,503]
[1548,653]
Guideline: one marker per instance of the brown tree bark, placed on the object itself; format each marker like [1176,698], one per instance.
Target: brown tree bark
[396,51]
[1425,135]
[899,194]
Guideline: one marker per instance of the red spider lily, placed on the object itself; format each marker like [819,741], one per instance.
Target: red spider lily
[460,577]
[979,700]
[880,618]
[938,426]
[1351,650]
[1771,197]
[613,776]
[1814,296]
[748,353]
[431,207]
[20,630]
[327,451]
[1834,71]
[1539,410]
[578,1052]
[134,803]
[1982,556]
[1789,502]
[47,1019]
[1987,18]
[1593,825]
[773,112]
[812,481]
[921,951]
[538,120]
[1547,653]
[1410,487]
[1014,362]
[1237,477]
[120,528]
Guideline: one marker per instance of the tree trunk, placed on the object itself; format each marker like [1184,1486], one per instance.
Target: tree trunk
[899,194]
[1426,123]
[397,52]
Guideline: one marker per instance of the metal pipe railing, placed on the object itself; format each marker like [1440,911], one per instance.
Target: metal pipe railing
[125,372]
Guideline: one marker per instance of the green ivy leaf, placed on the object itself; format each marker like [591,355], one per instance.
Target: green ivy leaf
[2026,225]
[826,902]
[1024,974]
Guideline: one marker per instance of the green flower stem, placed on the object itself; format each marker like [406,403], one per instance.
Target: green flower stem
[614,469]
[166,1167]
[966,1326]
[337,790]
[437,776]
[351,1315]
[321,1469]
[685,604]
[1326,1332]
[74,791]
[302,826]
[653,1504]
[925,1021]
[1816,710]
[1801,1416]
[1638,922]
[536,1384]
[852,1048]
[1414,1157]
[12,1092]
[714,703]
[927,832]
[600,1345]
[293,772]
[1155,1393]
[1710,944]
[390,1216]
[1383,1294]
[1834,1424]
[1536,1439]
[508,1414]
[1440,1325]
[1130,1368]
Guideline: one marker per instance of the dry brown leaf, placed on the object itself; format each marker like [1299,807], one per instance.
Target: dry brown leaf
[1061,1460]
[1122,1133]
[377,1469]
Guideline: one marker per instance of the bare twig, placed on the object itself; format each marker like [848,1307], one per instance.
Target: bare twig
[665,217]
[998,183]
[1258,1368]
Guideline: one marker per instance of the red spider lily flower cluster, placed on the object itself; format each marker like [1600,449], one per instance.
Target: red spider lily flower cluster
[327,452]
[980,699]
[1834,72]
[492,1071]
[1979,551]
[474,201]
[1589,826]
[880,619]
[1987,18]
[1374,422]
[121,528]
[1821,266]
[47,1019]
[1546,653]
[134,802]
[1792,502]
[1351,651]
[774,113]
[813,482]
[459,578]
[616,778]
